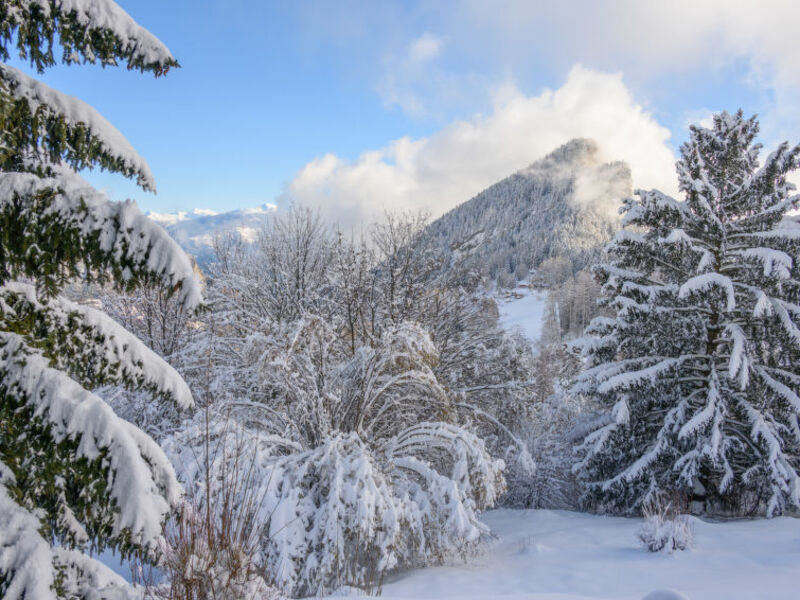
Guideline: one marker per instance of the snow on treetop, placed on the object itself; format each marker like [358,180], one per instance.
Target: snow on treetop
[76,111]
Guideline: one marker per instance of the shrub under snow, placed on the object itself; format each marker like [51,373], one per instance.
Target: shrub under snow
[343,514]
[355,468]
[665,528]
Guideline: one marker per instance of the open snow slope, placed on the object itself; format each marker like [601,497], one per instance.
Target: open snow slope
[559,555]
[524,311]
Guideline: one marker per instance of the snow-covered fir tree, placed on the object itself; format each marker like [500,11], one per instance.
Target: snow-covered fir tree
[700,366]
[74,476]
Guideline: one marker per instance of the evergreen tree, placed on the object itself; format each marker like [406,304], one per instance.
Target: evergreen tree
[700,368]
[73,475]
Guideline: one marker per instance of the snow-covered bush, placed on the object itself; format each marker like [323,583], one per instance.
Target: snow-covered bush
[210,555]
[211,547]
[354,477]
[344,513]
[665,528]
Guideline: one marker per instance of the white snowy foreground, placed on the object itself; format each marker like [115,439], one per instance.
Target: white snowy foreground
[560,555]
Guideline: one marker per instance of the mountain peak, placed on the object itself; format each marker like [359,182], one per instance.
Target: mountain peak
[564,204]
[577,150]
[568,159]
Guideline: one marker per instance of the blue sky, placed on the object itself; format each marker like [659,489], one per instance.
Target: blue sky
[358,107]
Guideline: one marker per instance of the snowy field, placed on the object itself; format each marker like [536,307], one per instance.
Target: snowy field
[524,311]
[559,555]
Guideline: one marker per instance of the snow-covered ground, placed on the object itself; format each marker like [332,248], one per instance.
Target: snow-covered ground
[524,311]
[559,555]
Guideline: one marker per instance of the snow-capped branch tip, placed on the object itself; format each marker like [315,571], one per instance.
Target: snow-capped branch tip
[26,560]
[141,480]
[125,359]
[87,31]
[30,565]
[112,150]
[119,240]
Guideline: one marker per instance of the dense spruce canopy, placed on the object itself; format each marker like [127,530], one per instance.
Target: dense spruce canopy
[72,474]
[700,367]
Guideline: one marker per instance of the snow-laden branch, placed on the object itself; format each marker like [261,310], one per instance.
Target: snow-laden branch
[26,560]
[141,480]
[115,236]
[88,30]
[629,379]
[81,337]
[107,140]
[776,263]
[706,281]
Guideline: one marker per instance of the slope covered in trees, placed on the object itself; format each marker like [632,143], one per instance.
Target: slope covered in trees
[562,205]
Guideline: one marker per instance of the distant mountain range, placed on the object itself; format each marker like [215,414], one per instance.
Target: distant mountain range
[565,204]
[195,230]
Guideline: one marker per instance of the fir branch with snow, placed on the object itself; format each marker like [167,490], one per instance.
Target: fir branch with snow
[73,475]
[700,369]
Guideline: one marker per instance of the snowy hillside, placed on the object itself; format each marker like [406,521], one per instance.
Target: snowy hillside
[195,230]
[560,555]
[523,310]
[565,204]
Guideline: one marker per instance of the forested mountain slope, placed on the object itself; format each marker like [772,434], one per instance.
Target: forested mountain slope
[565,204]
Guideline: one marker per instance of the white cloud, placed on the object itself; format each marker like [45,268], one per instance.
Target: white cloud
[664,48]
[438,172]
[426,47]
[411,78]
[681,34]
[657,43]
